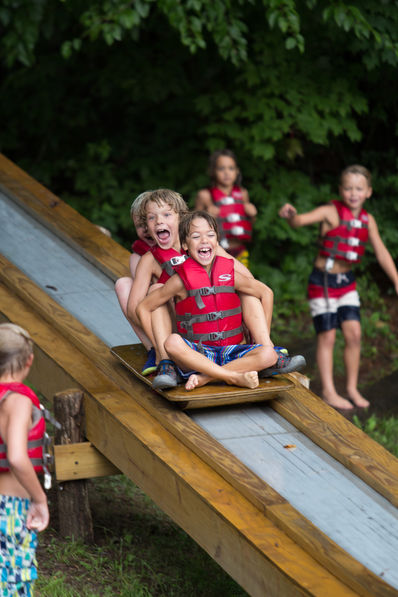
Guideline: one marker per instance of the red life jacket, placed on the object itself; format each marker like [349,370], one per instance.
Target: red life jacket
[168,259]
[347,241]
[234,221]
[211,313]
[140,247]
[37,433]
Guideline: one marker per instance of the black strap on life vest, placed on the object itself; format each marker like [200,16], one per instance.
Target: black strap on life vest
[207,291]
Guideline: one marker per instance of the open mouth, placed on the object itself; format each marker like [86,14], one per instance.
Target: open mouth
[163,235]
[149,239]
[205,253]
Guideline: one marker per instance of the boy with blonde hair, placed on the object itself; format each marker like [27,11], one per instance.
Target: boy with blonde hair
[334,302]
[23,503]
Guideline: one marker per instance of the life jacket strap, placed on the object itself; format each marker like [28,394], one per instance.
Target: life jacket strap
[232,218]
[354,224]
[214,336]
[207,291]
[228,201]
[188,319]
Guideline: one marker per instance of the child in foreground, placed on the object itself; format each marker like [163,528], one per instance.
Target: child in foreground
[23,503]
[208,345]
[229,203]
[123,286]
[333,298]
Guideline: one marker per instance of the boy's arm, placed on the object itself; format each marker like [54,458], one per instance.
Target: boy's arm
[172,288]
[268,299]
[146,268]
[383,255]
[324,213]
[133,262]
[253,287]
[18,415]
[250,208]
[204,202]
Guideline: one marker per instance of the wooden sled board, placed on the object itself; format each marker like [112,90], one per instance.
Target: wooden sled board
[133,356]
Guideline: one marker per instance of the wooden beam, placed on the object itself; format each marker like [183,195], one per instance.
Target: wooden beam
[81,461]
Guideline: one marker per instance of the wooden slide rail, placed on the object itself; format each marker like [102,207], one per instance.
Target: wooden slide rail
[112,396]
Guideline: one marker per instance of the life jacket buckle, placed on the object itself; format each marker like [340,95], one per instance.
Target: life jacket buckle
[214,316]
[214,336]
[206,291]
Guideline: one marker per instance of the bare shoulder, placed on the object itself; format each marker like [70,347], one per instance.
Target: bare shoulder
[15,403]
[203,199]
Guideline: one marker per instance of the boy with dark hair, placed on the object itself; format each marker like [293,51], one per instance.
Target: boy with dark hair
[208,345]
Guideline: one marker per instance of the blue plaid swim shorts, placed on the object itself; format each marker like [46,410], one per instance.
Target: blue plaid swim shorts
[221,355]
[18,544]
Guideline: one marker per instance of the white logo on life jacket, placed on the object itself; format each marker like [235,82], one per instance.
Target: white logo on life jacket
[225,277]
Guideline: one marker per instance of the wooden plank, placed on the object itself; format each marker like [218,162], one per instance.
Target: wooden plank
[133,357]
[81,461]
[259,493]
[63,220]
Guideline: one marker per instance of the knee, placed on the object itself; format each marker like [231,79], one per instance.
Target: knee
[173,344]
[154,287]
[121,284]
[353,337]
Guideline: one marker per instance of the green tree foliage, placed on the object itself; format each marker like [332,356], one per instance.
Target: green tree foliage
[104,98]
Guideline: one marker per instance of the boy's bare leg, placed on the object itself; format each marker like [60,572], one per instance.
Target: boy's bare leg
[352,351]
[324,356]
[122,289]
[241,372]
[257,317]
[162,327]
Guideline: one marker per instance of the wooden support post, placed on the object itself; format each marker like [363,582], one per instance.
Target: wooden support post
[73,505]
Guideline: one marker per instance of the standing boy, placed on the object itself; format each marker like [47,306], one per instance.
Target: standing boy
[333,298]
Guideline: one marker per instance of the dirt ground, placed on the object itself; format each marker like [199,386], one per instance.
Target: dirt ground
[378,376]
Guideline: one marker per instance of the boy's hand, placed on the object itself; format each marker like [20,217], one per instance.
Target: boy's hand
[250,210]
[38,516]
[287,211]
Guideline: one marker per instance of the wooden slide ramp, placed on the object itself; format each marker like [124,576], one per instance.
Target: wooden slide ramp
[287,496]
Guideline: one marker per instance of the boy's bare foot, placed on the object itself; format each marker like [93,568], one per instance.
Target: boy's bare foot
[196,380]
[243,380]
[358,399]
[333,399]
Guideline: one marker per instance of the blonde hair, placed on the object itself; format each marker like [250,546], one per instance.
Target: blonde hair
[16,346]
[159,196]
[135,206]
[357,169]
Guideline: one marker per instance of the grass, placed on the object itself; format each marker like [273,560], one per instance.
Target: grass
[383,430]
[138,552]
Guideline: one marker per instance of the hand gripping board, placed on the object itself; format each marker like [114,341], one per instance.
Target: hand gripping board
[133,356]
